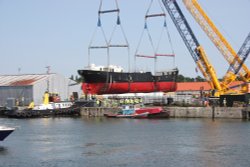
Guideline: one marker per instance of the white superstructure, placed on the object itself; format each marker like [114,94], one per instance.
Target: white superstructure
[112,68]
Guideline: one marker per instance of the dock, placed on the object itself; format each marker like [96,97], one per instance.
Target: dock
[98,111]
[174,112]
[206,112]
[180,112]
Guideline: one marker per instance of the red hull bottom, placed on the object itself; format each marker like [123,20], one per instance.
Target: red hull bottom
[149,110]
[133,87]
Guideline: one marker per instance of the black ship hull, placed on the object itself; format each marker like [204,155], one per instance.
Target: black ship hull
[103,82]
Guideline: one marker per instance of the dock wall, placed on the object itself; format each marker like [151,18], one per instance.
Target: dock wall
[98,111]
[205,112]
[177,112]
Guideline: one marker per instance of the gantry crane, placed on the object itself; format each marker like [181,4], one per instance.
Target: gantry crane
[236,63]
[195,49]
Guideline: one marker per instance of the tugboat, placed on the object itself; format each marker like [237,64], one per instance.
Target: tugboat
[5,131]
[51,106]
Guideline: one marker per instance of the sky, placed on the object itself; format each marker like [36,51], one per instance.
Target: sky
[35,34]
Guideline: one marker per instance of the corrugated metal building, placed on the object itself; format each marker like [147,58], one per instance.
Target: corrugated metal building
[25,88]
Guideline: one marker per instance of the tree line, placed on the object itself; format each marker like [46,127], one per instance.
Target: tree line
[181,78]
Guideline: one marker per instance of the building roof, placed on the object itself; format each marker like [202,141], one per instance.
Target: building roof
[197,86]
[21,80]
[193,86]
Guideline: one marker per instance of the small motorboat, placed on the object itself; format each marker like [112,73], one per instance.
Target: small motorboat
[130,111]
[150,110]
[5,131]
[121,115]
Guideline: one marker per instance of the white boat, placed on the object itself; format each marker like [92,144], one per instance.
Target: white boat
[51,106]
[54,105]
[5,131]
[51,102]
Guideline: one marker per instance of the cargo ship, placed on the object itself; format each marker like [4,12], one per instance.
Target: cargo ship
[111,80]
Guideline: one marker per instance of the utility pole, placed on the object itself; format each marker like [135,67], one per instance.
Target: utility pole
[19,70]
[48,72]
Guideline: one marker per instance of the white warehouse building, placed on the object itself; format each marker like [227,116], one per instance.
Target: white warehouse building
[31,87]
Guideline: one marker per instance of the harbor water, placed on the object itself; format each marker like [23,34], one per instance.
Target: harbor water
[102,142]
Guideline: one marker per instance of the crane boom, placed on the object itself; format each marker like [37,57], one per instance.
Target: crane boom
[236,66]
[191,42]
[243,54]
[219,41]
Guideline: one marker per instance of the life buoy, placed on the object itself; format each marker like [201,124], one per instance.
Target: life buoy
[23,114]
[28,114]
[18,114]
[65,111]
[60,111]
[69,111]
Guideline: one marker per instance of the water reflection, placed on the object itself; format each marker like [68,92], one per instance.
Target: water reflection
[99,141]
[3,150]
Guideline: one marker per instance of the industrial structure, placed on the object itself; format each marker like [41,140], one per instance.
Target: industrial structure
[112,80]
[22,89]
[236,61]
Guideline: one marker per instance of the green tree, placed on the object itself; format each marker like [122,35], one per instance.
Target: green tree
[71,77]
[182,78]
[199,79]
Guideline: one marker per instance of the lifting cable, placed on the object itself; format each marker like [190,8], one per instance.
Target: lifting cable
[145,29]
[172,54]
[99,26]
[155,50]
[126,44]
[108,44]
[164,29]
